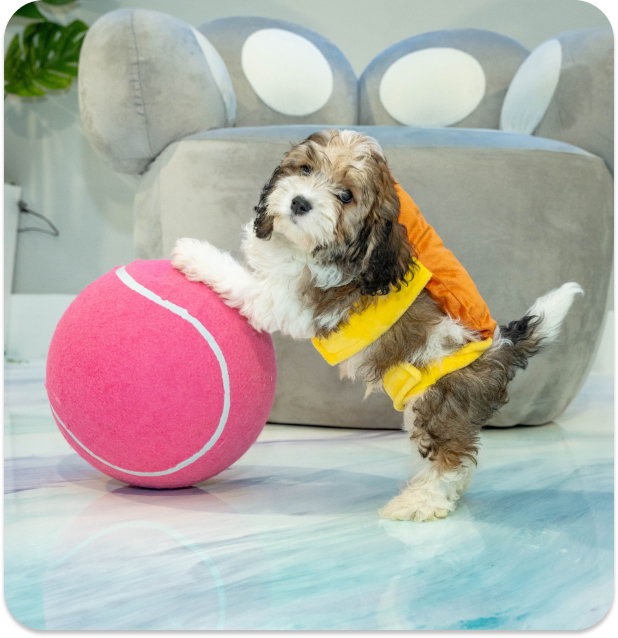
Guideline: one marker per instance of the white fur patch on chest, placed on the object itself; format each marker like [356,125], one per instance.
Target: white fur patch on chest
[282,270]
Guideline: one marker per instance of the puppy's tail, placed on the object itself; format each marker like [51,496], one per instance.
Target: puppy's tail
[540,326]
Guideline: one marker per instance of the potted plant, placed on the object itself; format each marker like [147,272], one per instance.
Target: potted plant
[44,55]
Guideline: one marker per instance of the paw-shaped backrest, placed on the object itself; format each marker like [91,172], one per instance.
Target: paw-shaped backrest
[147,79]
[564,90]
[283,73]
[457,77]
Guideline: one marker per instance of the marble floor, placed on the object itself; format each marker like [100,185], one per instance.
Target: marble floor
[289,536]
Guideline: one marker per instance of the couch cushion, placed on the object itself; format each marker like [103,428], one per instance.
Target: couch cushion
[522,214]
[283,73]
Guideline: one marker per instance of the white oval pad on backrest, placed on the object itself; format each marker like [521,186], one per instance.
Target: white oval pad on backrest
[220,74]
[532,89]
[438,86]
[287,71]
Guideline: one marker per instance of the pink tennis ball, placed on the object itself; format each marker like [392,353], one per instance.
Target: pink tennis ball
[155,381]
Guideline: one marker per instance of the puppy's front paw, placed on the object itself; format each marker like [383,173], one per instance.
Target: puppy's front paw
[189,256]
[416,505]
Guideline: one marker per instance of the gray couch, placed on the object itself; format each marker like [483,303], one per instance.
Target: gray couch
[509,155]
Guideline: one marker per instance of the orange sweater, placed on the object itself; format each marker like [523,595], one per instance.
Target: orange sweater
[447,282]
[450,284]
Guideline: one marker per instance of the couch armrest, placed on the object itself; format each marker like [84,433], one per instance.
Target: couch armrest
[147,79]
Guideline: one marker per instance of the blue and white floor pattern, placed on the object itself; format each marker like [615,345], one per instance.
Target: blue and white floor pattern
[289,536]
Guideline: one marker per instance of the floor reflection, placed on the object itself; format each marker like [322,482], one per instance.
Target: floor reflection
[289,537]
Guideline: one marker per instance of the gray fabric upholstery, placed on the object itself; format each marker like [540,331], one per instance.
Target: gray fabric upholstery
[403,137]
[498,56]
[581,111]
[143,83]
[522,214]
[228,36]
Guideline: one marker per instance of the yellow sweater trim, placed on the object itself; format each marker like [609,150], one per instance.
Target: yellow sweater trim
[404,381]
[368,326]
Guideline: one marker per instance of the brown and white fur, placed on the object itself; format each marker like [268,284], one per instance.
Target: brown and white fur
[325,241]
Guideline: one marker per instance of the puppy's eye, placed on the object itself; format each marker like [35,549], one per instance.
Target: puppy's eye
[345,197]
[305,169]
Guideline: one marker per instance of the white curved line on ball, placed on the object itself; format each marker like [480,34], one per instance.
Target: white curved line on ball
[124,276]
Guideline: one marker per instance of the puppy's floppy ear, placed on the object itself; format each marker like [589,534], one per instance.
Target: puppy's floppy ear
[389,255]
[263,223]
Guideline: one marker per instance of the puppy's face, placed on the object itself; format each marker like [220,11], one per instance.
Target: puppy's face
[333,197]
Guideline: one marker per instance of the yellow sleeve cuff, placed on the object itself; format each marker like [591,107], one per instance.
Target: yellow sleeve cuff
[403,381]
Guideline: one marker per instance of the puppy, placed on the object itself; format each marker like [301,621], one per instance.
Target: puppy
[325,245]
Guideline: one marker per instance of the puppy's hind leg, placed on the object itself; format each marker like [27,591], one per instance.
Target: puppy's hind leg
[445,422]
[448,464]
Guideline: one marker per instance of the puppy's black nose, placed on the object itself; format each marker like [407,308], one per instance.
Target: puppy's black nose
[300,205]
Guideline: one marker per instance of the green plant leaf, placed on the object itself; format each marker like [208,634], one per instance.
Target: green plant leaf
[54,81]
[23,88]
[66,69]
[59,3]
[45,57]
[30,11]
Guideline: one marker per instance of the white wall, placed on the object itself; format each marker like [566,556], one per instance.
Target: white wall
[12,195]
[61,177]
